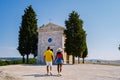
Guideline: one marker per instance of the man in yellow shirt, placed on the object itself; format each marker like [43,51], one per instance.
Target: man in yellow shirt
[48,57]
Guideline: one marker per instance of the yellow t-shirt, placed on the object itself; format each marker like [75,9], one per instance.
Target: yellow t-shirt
[48,55]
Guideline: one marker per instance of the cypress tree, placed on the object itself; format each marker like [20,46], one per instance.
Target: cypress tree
[75,36]
[85,53]
[119,47]
[28,34]
[21,46]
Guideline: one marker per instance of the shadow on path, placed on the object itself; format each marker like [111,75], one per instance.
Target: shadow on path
[41,75]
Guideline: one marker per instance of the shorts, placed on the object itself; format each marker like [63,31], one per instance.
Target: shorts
[59,61]
[49,63]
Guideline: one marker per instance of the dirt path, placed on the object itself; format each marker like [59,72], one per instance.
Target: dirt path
[70,72]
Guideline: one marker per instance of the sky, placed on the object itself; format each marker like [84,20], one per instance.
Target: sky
[101,21]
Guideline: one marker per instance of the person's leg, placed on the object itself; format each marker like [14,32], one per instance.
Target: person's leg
[50,68]
[47,64]
[60,67]
[47,69]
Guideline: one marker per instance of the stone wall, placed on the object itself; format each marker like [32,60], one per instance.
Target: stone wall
[49,35]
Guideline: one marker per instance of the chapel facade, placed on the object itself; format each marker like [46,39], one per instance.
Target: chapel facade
[51,35]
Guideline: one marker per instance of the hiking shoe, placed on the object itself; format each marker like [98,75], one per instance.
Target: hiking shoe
[51,73]
[48,74]
[60,74]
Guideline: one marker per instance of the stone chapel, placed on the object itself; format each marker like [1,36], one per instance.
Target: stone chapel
[50,35]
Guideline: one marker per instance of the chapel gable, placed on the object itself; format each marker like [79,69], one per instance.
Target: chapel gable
[51,27]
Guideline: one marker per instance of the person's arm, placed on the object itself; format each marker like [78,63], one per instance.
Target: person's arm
[44,58]
[55,57]
[52,56]
[44,55]
[62,58]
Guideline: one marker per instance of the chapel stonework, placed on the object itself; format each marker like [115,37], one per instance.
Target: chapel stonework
[50,35]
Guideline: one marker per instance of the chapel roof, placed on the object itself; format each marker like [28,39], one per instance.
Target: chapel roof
[51,27]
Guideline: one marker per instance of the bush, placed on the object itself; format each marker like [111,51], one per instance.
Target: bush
[32,61]
[3,63]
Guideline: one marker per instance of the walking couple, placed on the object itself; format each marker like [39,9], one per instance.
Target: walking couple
[49,58]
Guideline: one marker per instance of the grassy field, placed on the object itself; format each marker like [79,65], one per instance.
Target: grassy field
[12,62]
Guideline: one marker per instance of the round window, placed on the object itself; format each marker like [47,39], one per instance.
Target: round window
[50,40]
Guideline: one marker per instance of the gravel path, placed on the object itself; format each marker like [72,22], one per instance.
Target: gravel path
[70,72]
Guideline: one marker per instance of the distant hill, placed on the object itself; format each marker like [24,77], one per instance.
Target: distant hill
[99,61]
[10,58]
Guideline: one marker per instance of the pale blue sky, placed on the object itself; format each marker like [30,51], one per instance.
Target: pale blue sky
[101,22]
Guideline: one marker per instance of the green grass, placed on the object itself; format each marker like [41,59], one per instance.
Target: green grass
[3,63]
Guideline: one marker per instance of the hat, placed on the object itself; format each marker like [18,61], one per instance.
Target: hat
[59,50]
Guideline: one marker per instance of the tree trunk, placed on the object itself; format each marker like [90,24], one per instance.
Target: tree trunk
[23,59]
[78,60]
[73,59]
[27,58]
[83,60]
[67,59]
